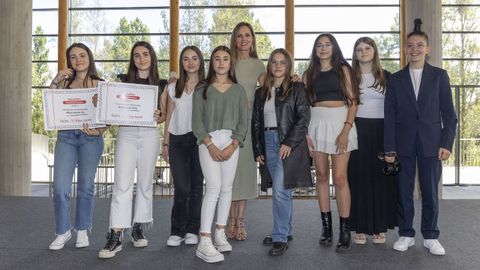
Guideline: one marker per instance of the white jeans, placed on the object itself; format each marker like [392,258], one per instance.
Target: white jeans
[137,148]
[219,178]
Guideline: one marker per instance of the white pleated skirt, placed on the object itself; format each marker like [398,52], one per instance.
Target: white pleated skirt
[326,124]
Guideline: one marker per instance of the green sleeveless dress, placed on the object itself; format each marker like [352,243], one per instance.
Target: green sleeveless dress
[245,185]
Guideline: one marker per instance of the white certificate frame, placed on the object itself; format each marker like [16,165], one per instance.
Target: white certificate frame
[69,109]
[127,104]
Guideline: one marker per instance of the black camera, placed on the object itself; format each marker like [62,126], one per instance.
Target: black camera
[391,168]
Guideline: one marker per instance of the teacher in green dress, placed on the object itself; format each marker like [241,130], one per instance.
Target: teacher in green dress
[249,71]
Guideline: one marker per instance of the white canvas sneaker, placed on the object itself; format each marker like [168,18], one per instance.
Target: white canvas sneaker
[174,241]
[403,243]
[82,239]
[434,246]
[221,241]
[191,239]
[60,241]
[207,252]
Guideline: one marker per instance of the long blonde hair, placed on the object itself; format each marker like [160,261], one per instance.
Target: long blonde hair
[380,81]
[269,79]
[233,41]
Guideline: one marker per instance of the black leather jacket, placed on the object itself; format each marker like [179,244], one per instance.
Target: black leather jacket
[293,118]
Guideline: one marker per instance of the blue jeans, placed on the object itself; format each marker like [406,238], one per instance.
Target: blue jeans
[75,148]
[281,197]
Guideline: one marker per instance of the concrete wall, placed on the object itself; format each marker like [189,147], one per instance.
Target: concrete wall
[15,97]
[430,11]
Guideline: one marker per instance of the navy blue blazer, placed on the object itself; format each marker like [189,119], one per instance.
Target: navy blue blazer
[431,117]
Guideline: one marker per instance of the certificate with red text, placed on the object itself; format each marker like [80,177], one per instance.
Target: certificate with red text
[65,109]
[127,104]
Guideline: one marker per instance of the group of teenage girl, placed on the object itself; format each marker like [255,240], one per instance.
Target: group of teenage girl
[221,123]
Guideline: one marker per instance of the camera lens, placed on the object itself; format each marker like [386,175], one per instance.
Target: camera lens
[391,168]
[387,170]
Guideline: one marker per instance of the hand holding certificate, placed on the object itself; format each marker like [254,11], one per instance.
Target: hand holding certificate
[69,109]
[126,104]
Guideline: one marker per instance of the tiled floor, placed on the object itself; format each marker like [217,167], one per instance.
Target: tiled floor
[461,192]
[449,192]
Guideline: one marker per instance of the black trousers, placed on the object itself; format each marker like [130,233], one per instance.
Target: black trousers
[188,184]
[429,172]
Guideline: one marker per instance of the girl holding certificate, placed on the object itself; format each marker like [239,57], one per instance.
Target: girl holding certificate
[75,148]
[137,149]
[220,123]
[181,151]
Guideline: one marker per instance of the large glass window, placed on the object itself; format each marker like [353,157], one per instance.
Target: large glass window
[110,27]
[461,58]
[347,21]
[208,24]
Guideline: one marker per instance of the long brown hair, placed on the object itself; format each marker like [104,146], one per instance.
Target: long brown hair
[91,71]
[132,74]
[380,82]
[233,41]
[338,63]
[183,77]
[269,79]
[211,77]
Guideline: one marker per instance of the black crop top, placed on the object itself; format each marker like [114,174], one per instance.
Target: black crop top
[327,87]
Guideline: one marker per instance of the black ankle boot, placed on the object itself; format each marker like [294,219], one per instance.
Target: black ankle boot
[326,237]
[344,240]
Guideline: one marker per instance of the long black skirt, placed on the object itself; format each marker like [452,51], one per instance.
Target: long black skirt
[374,195]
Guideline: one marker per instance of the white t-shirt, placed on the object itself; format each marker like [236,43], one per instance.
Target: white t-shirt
[269,115]
[181,119]
[372,101]
[416,76]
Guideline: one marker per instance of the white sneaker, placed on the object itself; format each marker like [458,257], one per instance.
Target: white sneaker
[174,241]
[207,252]
[60,241]
[434,246]
[191,239]
[221,241]
[403,243]
[82,239]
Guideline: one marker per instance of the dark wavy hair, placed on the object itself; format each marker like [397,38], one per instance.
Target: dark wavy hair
[269,79]
[338,63]
[211,72]
[380,82]
[92,70]
[183,78]
[132,74]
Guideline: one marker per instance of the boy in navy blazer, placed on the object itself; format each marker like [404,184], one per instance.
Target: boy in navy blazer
[420,124]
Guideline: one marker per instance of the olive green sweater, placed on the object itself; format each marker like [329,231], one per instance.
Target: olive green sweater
[226,110]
